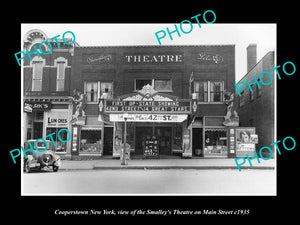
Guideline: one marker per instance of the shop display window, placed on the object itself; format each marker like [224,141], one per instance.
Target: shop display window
[90,141]
[215,142]
[59,146]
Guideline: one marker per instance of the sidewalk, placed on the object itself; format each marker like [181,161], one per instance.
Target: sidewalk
[200,163]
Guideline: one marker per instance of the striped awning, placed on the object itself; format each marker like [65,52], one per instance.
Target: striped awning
[215,129]
[91,127]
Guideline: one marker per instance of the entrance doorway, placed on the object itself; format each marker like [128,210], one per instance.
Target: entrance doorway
[37,130]
[141,134]
[108,141]
[197,142]
[164,137]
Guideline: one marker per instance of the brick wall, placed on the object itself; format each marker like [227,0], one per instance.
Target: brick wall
[259,112]
[123,74]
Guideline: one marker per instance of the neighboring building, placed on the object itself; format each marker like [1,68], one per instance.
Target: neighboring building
[256,108]
[46,89]
[153,85]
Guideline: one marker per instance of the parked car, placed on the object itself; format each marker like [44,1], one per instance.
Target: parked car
[46,158]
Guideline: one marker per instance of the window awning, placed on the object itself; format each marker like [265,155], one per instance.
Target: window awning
[91,127]
[215,129]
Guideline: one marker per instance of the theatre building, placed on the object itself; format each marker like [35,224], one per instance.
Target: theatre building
[47,97]
[177,97]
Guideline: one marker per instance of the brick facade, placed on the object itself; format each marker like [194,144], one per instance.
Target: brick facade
[257,109]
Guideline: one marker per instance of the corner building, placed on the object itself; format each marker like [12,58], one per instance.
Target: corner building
[46,89]
[175,93]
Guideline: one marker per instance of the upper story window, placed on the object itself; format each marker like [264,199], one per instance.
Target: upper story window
[140,83]
[252,93]
[159,84]
[37,73]
[97,89]
[209,91]
[200,88]
[106,90]
[60,77]
[258,90]
[163,84]
[216,91]
[242,99]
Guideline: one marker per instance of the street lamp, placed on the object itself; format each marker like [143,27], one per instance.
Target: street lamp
[123,163]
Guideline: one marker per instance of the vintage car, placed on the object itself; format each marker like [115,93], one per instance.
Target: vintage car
[42,159]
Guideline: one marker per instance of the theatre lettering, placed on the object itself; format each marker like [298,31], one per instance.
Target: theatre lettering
[154,58]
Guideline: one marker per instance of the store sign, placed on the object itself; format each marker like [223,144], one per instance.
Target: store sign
[148,118]
[117,106]
[151,58]
[97,59]
[57,119]
[209,57]
[36,106]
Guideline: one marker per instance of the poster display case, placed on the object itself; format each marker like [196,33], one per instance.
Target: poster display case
[150,148]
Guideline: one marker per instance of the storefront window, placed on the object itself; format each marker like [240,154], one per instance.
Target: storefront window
[60,146]
[215,142]
[90,141]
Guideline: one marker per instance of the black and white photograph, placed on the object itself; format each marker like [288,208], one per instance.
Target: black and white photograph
[139,111]
[157,112]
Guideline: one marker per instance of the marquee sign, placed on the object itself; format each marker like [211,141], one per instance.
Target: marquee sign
[147,100]
[148,118]
[115,106]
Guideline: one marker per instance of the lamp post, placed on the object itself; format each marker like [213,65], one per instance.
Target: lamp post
[123,163]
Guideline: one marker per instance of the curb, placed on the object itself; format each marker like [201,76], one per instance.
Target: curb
[168,167]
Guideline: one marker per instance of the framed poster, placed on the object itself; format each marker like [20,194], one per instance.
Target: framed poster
[244,143]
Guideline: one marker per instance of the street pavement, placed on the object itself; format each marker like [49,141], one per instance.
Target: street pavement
[150,182]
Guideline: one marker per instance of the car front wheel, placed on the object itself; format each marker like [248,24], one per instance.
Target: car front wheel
[55,168]
[27,168]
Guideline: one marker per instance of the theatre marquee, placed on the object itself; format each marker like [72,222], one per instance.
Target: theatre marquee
[149,103]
